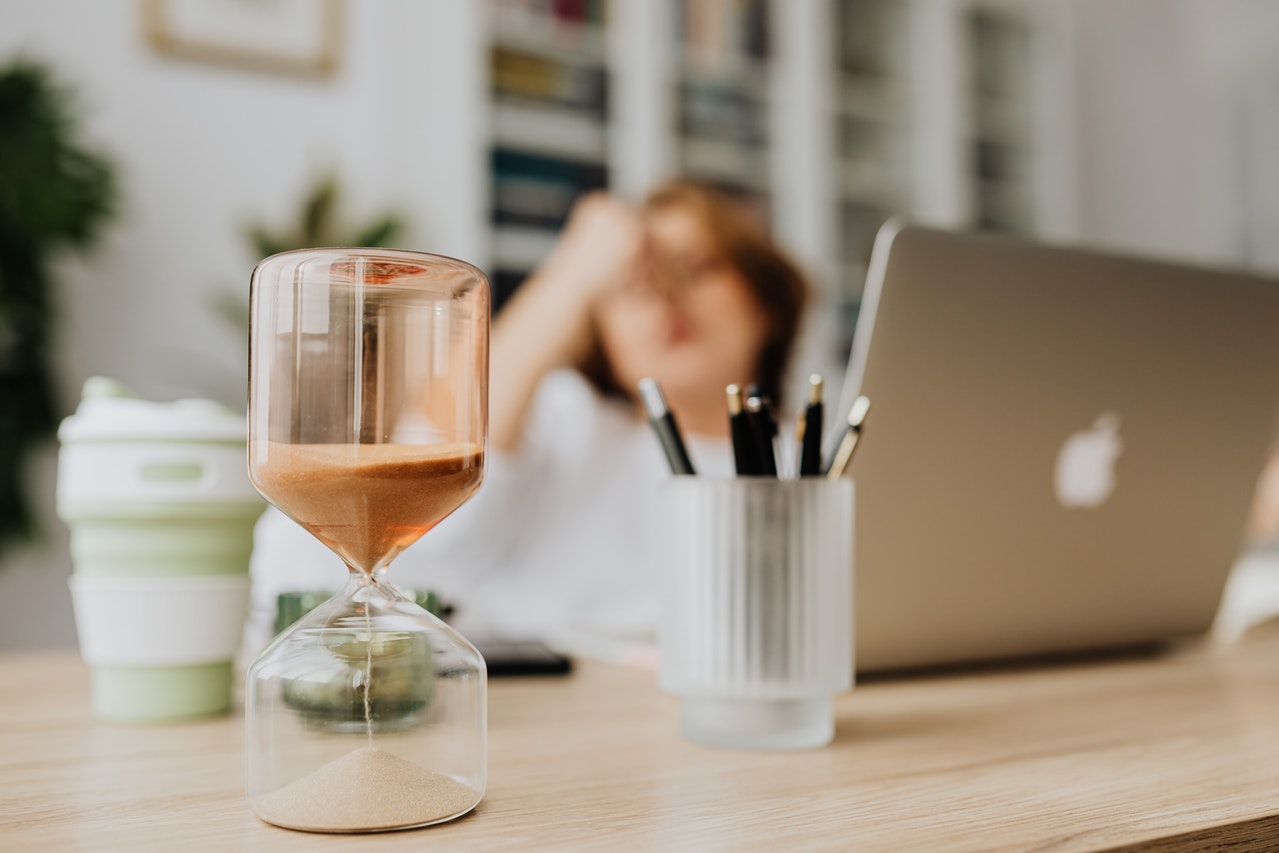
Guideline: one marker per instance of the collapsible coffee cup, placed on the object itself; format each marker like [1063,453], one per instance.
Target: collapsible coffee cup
[757,606]
[161,513]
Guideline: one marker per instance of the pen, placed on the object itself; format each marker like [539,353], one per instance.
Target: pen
[663,423]
[848,444]
[770,425]
[809,430]
[762,429]
[743,456]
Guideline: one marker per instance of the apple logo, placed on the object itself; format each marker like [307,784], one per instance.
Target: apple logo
[1085,474]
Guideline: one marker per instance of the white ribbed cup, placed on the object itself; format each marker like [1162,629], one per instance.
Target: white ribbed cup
[757,604]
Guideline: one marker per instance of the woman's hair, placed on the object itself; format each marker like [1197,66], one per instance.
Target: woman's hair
[772,279]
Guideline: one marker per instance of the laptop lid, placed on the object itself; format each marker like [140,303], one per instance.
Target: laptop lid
[1062,447]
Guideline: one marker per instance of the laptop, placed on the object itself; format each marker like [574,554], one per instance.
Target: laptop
[1061,450]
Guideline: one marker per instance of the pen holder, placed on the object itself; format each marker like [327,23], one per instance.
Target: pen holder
[757,608]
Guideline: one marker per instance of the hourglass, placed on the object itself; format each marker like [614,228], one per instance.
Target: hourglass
[367,426]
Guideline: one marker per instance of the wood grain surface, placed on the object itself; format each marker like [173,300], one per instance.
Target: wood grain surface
[1174,752]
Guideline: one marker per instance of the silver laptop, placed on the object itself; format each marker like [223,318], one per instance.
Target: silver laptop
[1061,450]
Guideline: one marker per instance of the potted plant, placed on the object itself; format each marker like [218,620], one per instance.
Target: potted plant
[55,194]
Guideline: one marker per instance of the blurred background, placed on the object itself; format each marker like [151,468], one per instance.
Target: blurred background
[231,128]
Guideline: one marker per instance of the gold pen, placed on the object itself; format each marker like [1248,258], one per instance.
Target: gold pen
[809,431]
[743,453]
[848,444]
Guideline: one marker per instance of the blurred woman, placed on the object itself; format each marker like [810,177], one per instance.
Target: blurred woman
[561,538]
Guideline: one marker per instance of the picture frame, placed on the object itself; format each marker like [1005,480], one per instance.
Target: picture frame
[292,37]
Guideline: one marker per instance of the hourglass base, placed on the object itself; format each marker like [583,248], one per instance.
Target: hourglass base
[368,715]
[388,793]
[366,831]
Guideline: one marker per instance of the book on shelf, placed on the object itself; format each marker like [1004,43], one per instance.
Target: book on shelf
[538,191]
[716,111]
[871,37]
[505,281]
[722,31]
[525,78]
[571,12]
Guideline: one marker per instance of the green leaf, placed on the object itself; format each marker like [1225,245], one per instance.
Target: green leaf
[381,233]
[317,213]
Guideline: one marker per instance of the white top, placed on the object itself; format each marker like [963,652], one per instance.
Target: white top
[560,539]
[110,412]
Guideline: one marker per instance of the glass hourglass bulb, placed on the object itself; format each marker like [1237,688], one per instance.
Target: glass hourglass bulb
[368,422]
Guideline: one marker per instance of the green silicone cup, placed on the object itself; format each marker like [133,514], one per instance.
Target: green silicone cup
[154,694]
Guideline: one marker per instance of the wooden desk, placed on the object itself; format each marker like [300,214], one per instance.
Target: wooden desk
[1171,753]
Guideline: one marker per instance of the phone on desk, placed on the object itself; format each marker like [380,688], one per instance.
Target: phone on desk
[515,657]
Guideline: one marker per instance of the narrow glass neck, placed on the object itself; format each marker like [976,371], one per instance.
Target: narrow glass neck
[377,576]
[370,588]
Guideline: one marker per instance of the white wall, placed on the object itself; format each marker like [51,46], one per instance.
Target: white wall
[1161,117]
[202,150]
[1238,63]
[1137,122]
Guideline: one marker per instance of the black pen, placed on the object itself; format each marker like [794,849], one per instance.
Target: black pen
[848,444]
[763,428]
[663,423]
[743,451]
[809,430]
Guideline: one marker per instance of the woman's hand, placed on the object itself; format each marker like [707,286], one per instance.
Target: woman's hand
[599,250]
[548,322]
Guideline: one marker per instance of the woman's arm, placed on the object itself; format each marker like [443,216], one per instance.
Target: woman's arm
[547,323]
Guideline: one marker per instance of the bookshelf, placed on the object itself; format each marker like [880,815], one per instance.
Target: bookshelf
[1018,76]
[721,94]
[948,112]
[548,77]
[873,131]
[1002,145]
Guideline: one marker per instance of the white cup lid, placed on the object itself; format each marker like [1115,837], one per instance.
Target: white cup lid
[109,411]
